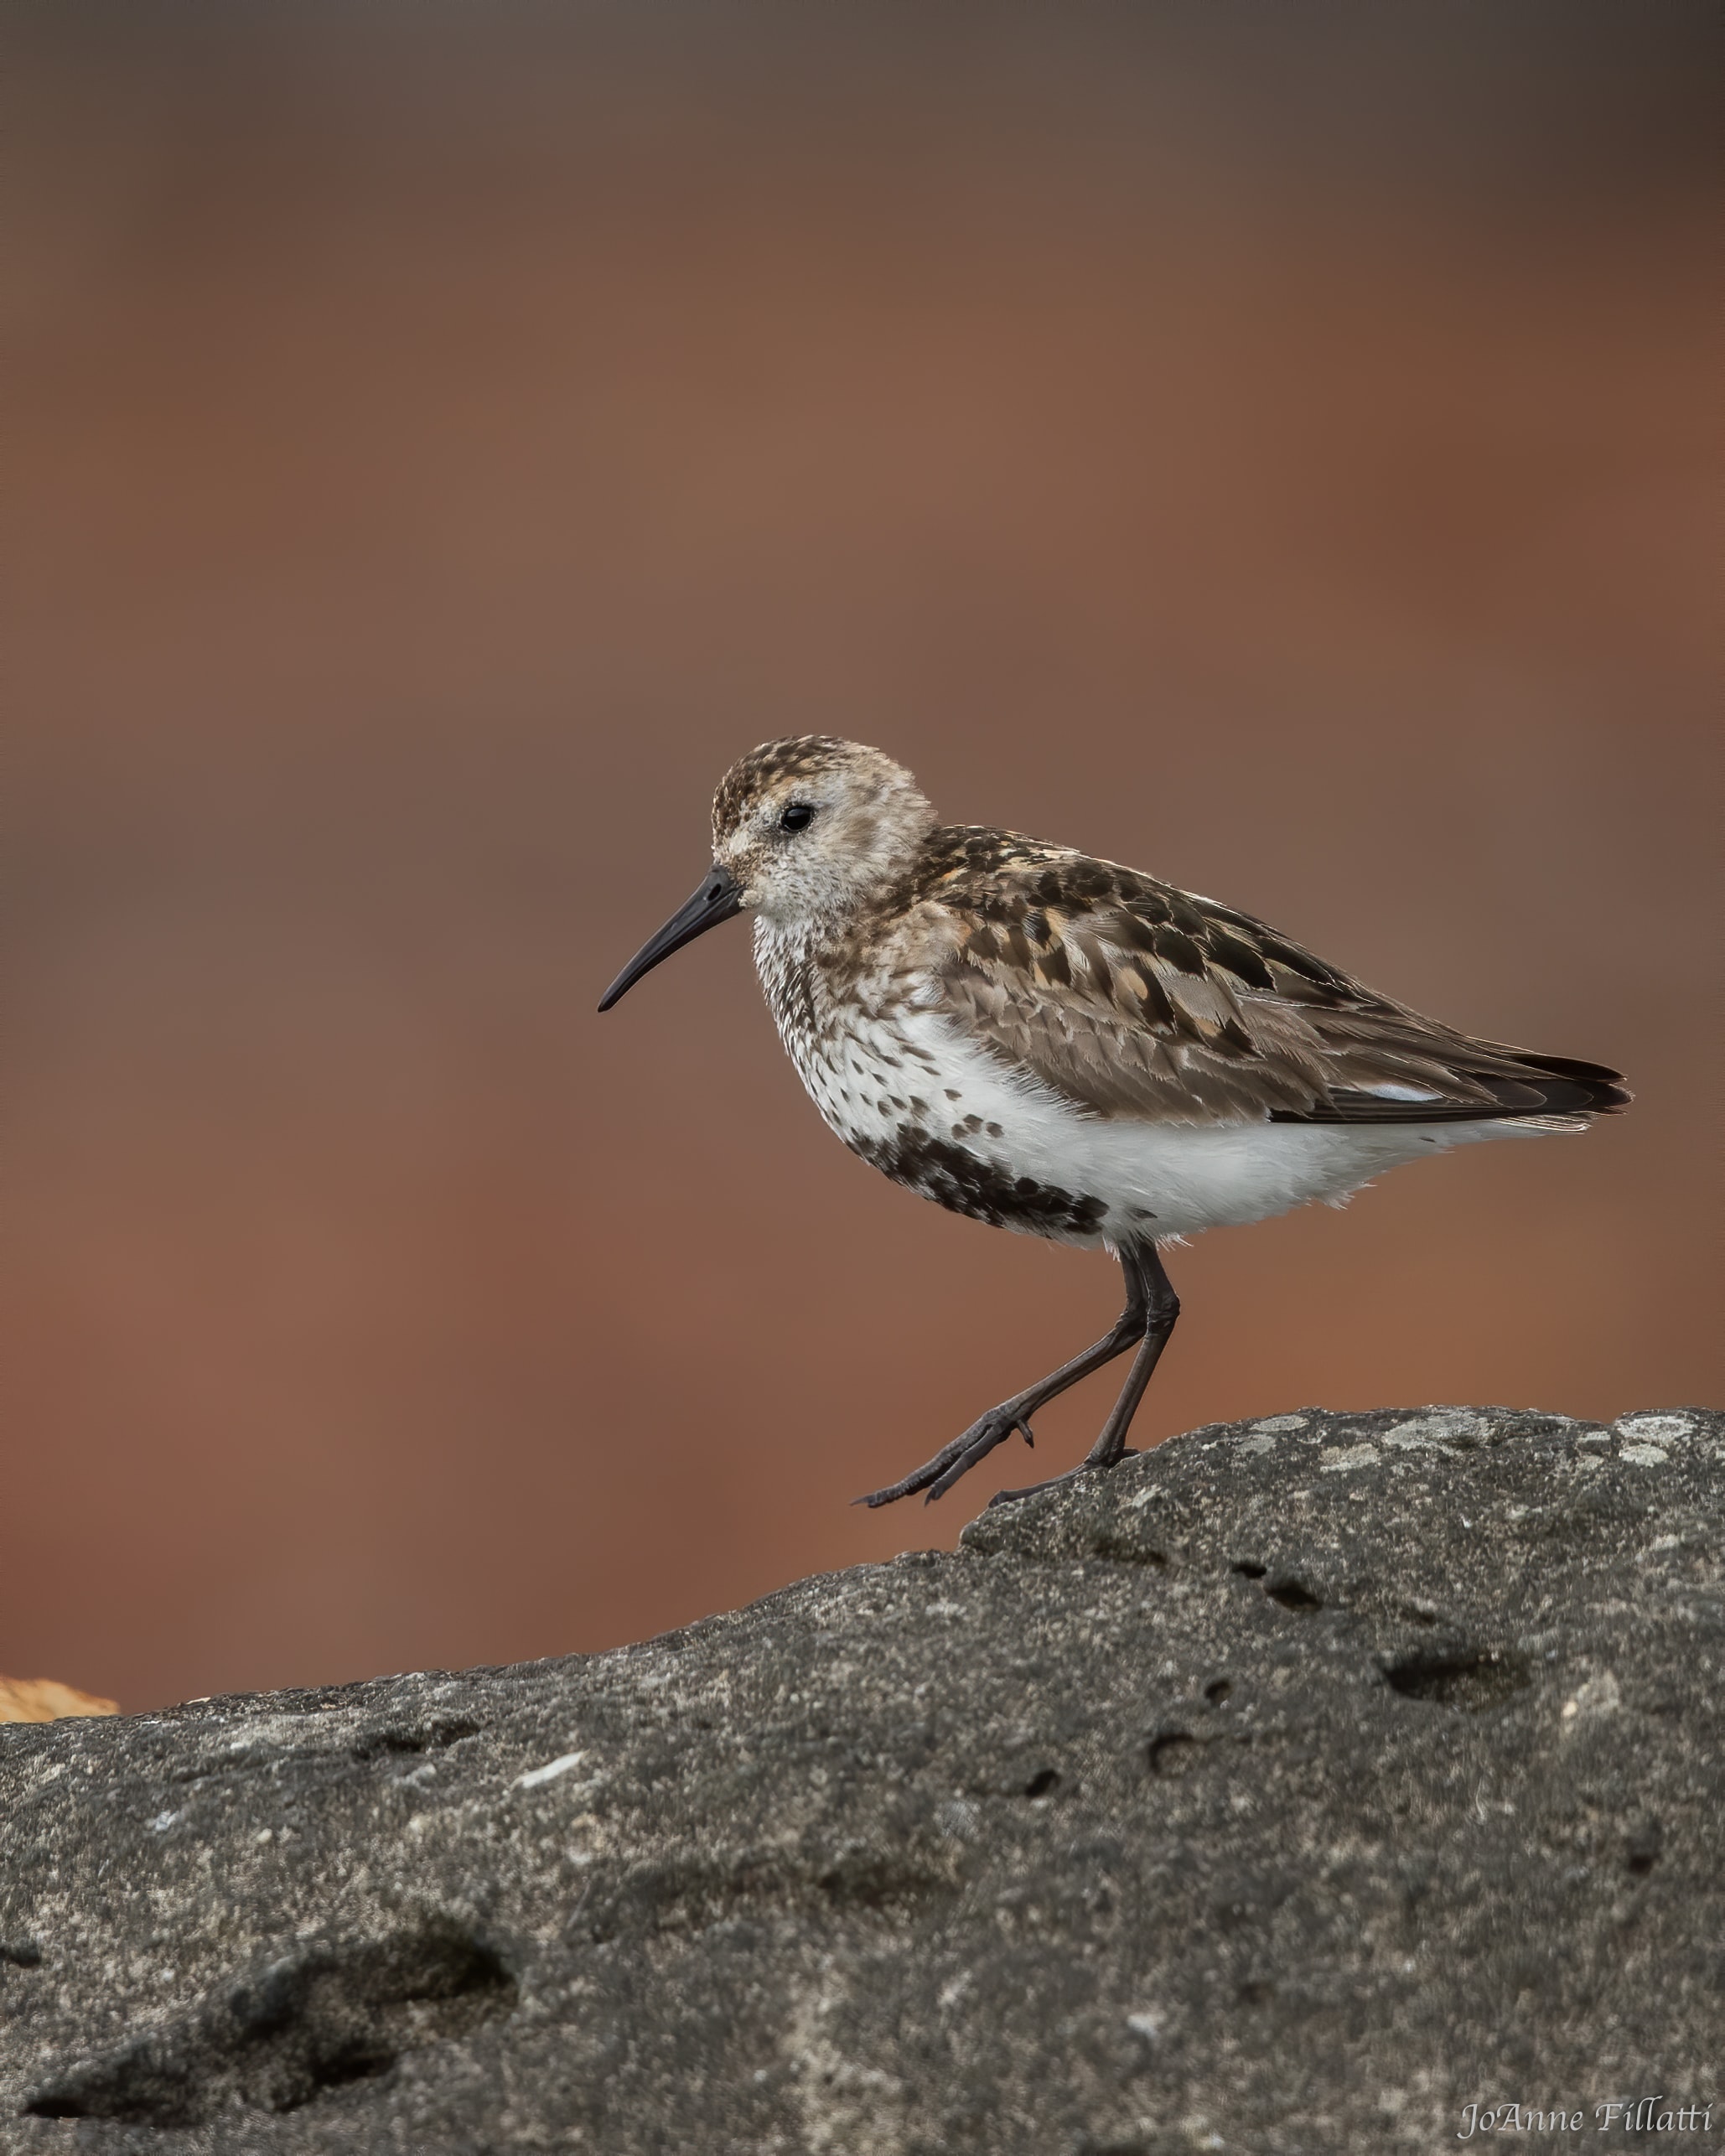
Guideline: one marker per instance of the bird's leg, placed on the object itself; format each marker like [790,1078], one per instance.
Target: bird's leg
[1159,1309]
[938,1475]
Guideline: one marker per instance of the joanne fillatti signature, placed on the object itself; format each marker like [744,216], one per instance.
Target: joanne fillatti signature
[1647,2115]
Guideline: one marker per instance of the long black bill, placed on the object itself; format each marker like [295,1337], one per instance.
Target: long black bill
[718,898]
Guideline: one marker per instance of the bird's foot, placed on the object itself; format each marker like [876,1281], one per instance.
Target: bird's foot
[1056,1482]
[938,1474]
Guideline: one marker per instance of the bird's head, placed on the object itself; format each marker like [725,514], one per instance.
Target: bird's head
[805,831]
[810,828]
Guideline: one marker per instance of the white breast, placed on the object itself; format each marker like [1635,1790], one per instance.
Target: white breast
[859,1065]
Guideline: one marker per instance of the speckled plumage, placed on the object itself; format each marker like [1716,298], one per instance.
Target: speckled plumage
[1073,1048]
[996,994]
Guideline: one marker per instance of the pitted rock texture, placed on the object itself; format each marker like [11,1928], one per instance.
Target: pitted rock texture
[1288,1790]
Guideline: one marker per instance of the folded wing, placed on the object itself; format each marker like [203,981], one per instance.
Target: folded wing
[1134,999]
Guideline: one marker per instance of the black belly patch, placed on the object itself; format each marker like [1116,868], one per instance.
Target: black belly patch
[958,1180]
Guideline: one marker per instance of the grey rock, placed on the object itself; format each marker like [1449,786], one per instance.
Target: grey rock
[1288,1790]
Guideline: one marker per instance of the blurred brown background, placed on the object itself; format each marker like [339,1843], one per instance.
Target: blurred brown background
[1263,444]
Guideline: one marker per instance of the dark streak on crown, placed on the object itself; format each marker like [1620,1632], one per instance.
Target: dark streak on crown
[796,755]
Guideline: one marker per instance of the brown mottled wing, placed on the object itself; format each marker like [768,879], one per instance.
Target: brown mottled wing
[1135,999]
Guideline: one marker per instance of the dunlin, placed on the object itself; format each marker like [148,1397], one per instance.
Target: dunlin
[1064,1046]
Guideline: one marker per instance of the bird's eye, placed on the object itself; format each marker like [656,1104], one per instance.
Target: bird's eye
[797,817]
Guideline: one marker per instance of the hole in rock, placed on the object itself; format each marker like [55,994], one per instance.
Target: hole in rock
[1641,1852]
[287,2034]
[337,2073]
[1173,1752]
[432,1738]
[1218,1690]
[1247,1570]
[1040,1785]
[1471,1678]
[1292,1594]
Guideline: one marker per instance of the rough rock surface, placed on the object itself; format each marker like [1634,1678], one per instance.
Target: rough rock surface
[1290,1788]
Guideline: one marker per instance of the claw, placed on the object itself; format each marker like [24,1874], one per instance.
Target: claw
[937,1476]
[876,1498]
[1055,1482]
[1011,1496]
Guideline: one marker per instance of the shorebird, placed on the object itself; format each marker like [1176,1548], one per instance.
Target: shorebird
[1060,1045]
